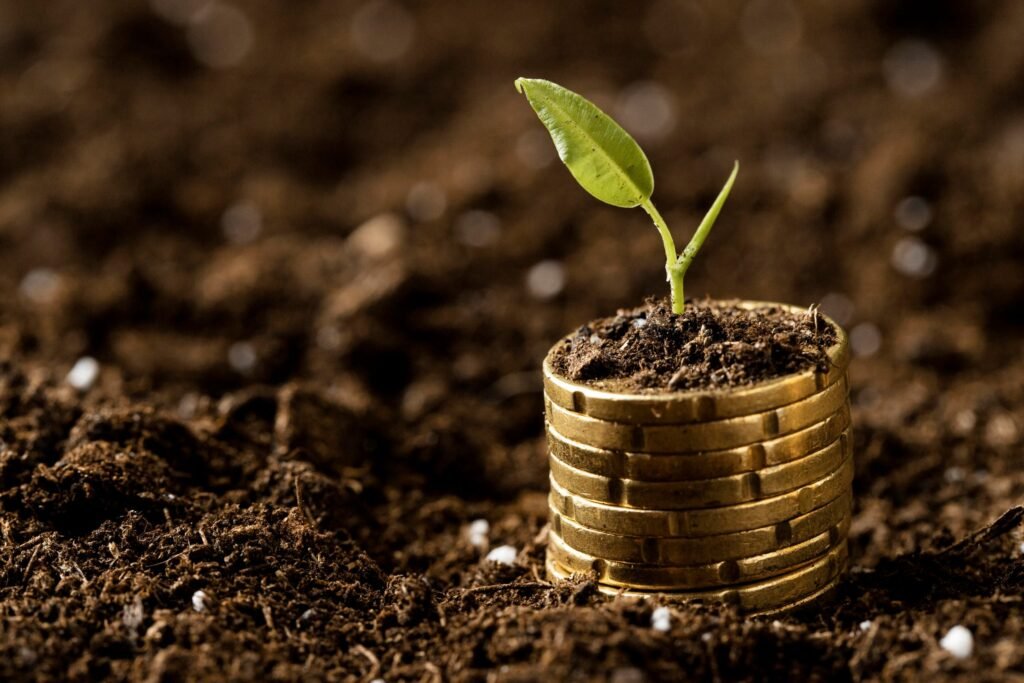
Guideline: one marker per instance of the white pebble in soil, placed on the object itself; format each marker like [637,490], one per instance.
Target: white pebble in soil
[645,109]
[242,222]
[477,228]
[913,213]
[912,68]
[913,258]
[426,201]
[379,236]
[955,475]
[958,641]
[133,614]
[478,531]
[382,30]
[865,625]
[865,340]
[200,601]
[661,620]
[503,554]
[220,35]
[40,285]
[242,357]
[546,280]
[84,373]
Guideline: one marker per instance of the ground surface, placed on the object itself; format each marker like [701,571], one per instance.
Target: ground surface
[299,414]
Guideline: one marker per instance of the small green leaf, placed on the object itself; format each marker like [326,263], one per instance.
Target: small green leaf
[602,156]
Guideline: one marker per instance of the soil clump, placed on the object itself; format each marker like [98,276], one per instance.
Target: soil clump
[711,345]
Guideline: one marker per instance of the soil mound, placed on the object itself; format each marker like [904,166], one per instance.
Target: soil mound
[711,345]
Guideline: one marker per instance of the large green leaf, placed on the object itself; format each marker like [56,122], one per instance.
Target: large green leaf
[602,156]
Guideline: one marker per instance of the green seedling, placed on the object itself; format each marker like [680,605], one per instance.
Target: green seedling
[610,165]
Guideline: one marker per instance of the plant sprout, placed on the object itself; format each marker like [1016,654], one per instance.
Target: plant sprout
[610,165]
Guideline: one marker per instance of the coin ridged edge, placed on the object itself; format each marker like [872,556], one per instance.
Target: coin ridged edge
[666,551]
[698,577]
[724,434]
[703,465]
[734,489]
[706,521]
[779,592]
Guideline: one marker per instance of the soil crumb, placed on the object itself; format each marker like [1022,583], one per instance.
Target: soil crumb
[712,344]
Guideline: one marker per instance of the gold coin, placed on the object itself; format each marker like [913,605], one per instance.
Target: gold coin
[704,436]
[706,521]
[650,577]
[689,495]
[697,406]
[779,592]
[820,595]
[706,465]
[675,550]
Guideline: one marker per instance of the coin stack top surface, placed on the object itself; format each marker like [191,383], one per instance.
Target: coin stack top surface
[738,496]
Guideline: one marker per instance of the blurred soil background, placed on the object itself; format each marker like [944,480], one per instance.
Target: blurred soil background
[276,280]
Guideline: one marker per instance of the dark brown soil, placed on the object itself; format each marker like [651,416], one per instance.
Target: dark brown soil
[301,411]
[710,345]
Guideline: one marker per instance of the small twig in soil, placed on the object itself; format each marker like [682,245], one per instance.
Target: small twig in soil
[172,557]
[268,616]
[435,673]
[298,502]
[31,542]
[8,541]
[31,561]
[1007,522]
[374,662]
[864,648]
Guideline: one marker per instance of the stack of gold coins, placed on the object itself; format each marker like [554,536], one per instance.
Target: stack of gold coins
[738,496]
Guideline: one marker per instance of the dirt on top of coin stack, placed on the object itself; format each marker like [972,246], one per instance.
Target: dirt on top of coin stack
[711,345]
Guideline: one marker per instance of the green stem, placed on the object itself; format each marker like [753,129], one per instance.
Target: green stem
[697,241]
[676,266]
[672,270]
